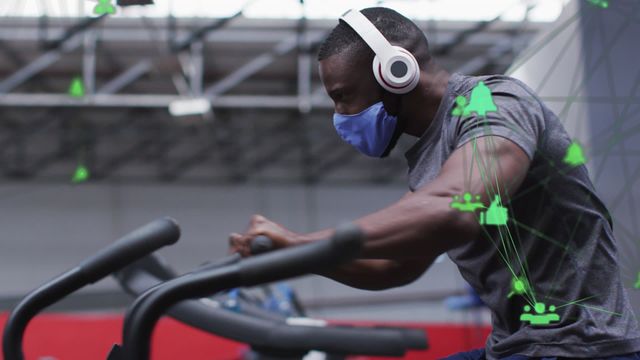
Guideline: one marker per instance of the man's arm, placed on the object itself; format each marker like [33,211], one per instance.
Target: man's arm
[372,274]
[423,224]
[378,274]
[405,238]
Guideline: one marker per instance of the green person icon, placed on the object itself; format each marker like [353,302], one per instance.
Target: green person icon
[461,103]
[468,205]
[540,316]
[104,7]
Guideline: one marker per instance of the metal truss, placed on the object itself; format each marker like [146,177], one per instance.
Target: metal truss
[270,120]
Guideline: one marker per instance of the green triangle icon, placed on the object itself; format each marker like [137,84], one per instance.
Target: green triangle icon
[81,174]
[76,89]
[574,155]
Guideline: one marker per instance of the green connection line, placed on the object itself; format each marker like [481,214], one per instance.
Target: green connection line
[628,249]
[560,172]
[493,166]
[509,244]
[507,252]
[534,49]
[484,164]
[614,137]
[598,309]
[487,168]
[565,49]
[599,3]
[467,184]
[576,301]
[541,235]
[564,254]
[508,248]
[589,73]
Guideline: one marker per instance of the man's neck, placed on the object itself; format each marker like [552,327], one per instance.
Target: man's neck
[425,102]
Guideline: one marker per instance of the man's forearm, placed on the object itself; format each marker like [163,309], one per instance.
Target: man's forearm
[371,274]
[402,240]
[418,226]
[366,274]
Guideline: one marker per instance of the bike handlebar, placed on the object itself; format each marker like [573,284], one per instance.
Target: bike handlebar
[129,248]
[273,266]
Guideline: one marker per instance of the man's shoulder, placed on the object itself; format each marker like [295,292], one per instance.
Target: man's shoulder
[506,91]
[498,84]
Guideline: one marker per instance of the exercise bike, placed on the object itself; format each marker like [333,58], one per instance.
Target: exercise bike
[273,334]
[131,247]
[270,335]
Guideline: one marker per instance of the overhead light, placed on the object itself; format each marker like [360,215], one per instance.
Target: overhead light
[192,106]
[134,2]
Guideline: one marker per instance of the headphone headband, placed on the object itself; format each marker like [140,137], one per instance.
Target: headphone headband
[370,34]
[395,68]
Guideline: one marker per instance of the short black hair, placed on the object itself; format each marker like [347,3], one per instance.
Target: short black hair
[395,27]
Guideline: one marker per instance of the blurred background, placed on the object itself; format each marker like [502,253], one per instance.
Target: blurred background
[211,111]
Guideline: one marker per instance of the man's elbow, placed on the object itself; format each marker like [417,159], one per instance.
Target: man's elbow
[389,283]
[405,273]
[459,228]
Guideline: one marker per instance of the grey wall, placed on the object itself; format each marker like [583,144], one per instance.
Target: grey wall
[587,70]
[612,86]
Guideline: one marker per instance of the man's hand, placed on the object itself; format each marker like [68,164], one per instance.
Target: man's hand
[259,225]
[370,274]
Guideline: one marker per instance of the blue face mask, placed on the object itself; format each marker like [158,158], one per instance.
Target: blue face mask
[370,131]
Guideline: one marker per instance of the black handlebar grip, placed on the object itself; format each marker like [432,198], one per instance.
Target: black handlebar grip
[348,234]
[344,245]
[138,243]
[261,244]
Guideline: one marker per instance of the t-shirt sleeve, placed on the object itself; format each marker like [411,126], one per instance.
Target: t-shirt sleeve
[519,118]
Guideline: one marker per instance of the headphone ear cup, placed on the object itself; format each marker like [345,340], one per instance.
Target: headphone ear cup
[414,69]
[387,81]
[377,70]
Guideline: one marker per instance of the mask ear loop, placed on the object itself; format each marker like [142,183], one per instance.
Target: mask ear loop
[397,132]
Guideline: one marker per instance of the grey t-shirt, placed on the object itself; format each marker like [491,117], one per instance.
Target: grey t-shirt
[557,223]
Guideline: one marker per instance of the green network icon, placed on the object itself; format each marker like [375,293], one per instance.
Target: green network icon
[540,317]
[81,174]
[637,284]
[104,7]
[599,3]
[480,102]
[467,205]
[519,286]
[574,155]
[496,214]
[76,89]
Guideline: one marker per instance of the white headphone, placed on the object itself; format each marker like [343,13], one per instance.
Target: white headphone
[395,68]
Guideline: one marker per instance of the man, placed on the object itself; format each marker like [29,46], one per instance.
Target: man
[491,183]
